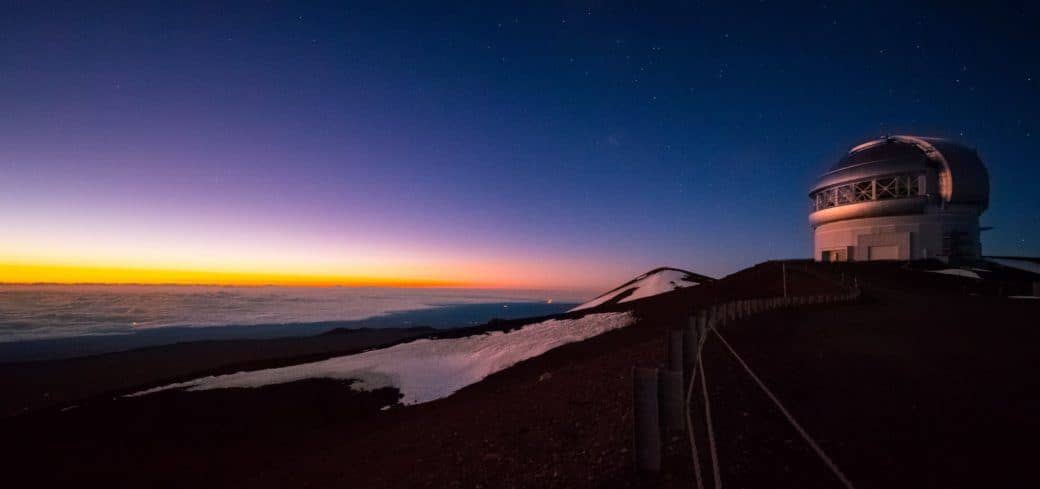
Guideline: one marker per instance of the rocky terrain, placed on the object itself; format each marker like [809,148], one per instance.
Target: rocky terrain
[928,381]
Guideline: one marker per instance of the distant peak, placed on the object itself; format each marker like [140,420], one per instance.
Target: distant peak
[655,282]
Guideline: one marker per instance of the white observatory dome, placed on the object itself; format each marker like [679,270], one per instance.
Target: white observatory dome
[900,198]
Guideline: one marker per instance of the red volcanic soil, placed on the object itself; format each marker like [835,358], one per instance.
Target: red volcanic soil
[917,385]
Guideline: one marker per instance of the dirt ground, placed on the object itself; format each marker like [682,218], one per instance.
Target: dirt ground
[921,384]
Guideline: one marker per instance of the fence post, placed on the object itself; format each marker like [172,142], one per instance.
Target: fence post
[671,391]
[691,343]
[646,419]
[675,351]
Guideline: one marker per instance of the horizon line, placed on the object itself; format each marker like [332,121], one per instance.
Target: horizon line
[392,285]
[50,274]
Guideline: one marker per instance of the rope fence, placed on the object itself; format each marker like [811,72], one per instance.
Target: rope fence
[684,360]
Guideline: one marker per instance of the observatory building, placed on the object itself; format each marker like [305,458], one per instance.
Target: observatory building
[900,198]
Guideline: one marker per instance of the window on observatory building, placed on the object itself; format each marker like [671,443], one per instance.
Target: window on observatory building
[912,186]
[864,191]
[894,187]
[845,195]
[887,188]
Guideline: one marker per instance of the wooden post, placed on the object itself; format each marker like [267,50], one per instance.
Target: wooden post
[675,351]
[691,346]
[671,391]
[646,419]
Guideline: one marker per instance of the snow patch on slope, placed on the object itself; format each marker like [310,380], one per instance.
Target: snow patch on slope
[426,369]
[960,272]
[647,285]
[1026,265]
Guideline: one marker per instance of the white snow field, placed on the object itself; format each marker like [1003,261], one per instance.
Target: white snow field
[647,285]
[1026,265]
[960,272]
[424,370]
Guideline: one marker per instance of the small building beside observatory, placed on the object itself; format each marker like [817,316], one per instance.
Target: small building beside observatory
[900,198]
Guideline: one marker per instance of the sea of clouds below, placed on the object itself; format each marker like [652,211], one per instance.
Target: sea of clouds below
[34,312]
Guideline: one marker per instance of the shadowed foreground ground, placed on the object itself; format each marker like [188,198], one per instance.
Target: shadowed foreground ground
[919,385]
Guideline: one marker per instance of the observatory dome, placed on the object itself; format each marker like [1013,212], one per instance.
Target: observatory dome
[900,197]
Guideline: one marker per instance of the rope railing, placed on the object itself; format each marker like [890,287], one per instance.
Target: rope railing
[691,366]
[689,423]
[711,427]
[787,414]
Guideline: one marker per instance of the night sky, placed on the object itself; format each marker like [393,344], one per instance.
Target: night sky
[567,145]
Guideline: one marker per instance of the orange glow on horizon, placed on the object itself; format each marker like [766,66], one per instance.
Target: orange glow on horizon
[72,274]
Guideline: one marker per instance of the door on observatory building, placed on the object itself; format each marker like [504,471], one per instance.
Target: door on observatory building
[835,255]
[883,252]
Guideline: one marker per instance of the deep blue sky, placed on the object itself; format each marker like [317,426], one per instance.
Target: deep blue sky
[582,142]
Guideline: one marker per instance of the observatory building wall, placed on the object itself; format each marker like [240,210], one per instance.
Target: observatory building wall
[912,237]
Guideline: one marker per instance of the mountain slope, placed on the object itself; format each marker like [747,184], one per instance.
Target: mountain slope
[655,282]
